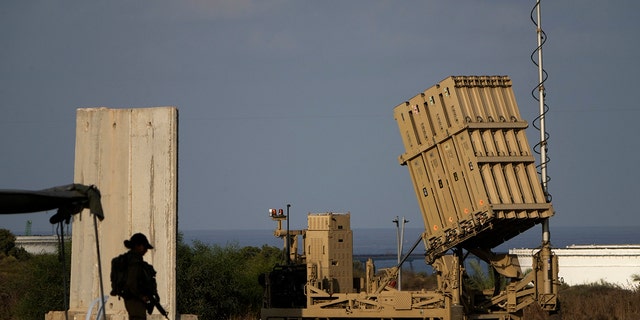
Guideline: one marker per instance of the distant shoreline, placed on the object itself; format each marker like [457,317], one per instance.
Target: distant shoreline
[383,240]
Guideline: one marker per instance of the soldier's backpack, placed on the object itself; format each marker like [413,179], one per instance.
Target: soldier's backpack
[118,275]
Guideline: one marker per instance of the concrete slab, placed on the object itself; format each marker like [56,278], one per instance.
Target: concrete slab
[131,155]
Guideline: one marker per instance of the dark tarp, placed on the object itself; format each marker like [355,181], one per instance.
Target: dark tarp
[69,200]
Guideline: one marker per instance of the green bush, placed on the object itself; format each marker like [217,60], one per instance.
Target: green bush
[217,282]
[30,285]
[48,290]
[8,246]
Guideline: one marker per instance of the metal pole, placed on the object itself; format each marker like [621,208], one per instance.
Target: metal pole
[288,237]
[398,250]
[400,254]
[399,247]
[543,138]
[63,260]
[102,301]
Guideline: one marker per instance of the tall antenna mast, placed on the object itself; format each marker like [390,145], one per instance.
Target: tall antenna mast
[541,95]
[546,253]
[546,234]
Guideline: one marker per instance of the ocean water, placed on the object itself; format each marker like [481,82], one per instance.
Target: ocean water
[383,242]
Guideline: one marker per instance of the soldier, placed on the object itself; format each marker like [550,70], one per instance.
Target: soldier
[140,287]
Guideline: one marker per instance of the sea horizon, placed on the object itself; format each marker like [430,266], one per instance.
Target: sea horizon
[384,240]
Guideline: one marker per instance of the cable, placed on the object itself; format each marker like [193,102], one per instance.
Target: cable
[62,257]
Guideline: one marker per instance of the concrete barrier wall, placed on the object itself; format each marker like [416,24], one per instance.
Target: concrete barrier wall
[131,156]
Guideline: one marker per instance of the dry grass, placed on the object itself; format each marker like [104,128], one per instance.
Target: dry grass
[598,301]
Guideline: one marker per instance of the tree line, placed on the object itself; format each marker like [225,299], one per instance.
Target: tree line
[216,282]
[212,281]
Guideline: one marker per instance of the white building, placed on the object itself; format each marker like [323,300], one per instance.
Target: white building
[586,264]
[39,244]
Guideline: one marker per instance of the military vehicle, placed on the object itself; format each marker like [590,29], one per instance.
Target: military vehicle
[475,179]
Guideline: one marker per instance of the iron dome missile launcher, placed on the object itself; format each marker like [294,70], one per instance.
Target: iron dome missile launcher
[474,175]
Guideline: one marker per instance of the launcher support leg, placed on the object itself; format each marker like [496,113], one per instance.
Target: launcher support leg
[546,268]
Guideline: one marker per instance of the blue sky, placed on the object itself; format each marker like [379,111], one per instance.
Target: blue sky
[291,101]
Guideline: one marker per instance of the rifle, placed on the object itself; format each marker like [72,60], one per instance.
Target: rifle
[154,301]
